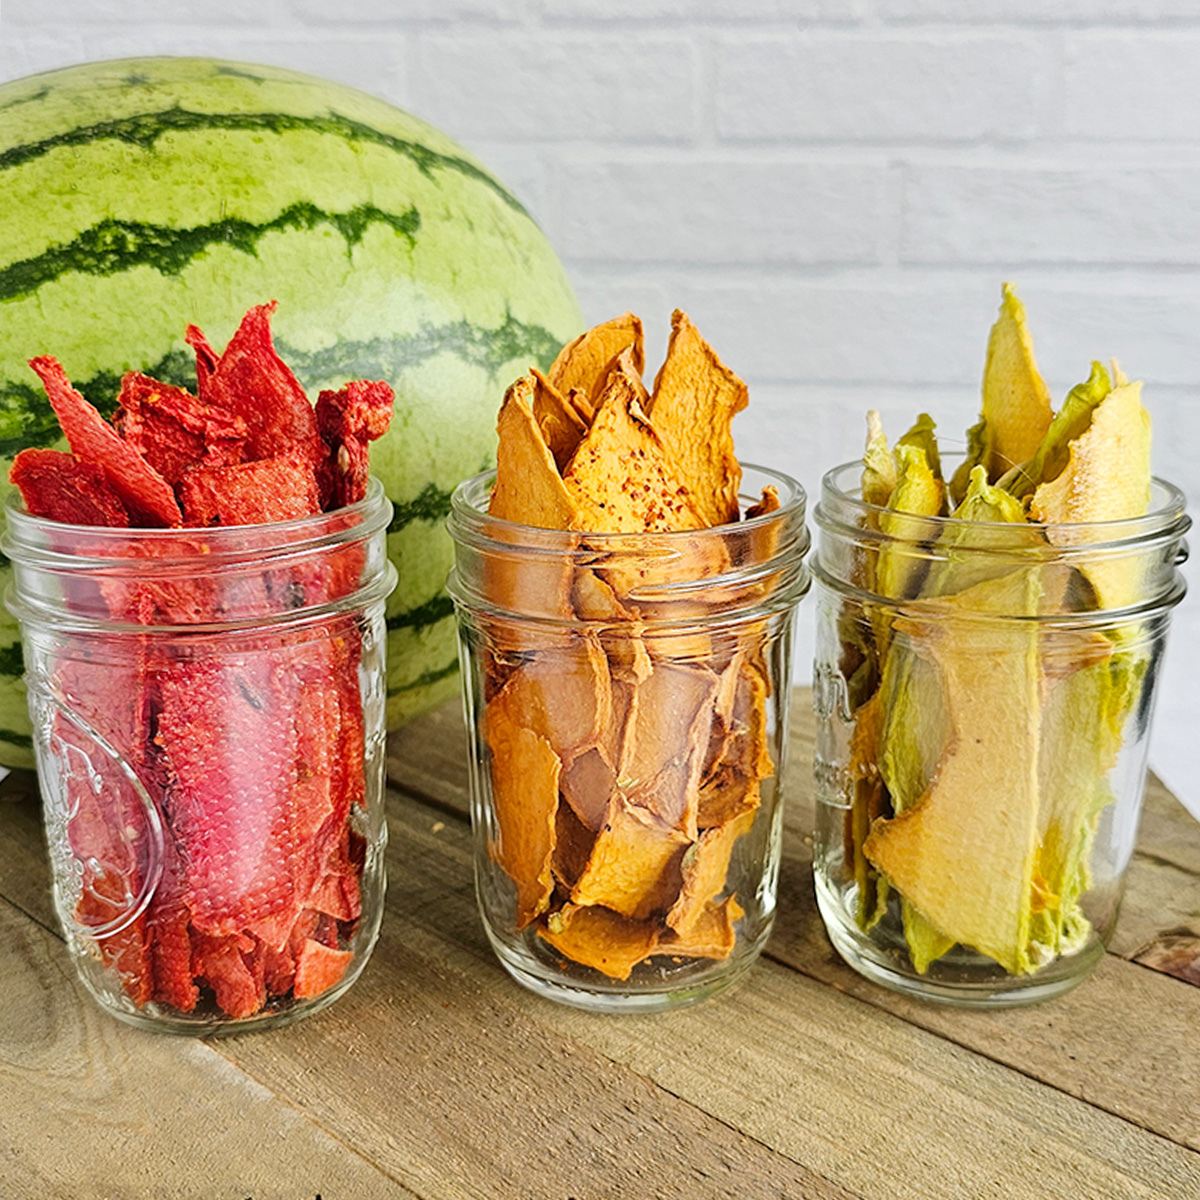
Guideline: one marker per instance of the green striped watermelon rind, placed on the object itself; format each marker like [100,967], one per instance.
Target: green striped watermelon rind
[136,204]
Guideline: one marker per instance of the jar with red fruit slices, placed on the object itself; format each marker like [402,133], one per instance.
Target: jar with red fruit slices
[208,712]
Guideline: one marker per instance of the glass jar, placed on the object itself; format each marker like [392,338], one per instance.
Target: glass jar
[982,727]
[208,712]
[626,697]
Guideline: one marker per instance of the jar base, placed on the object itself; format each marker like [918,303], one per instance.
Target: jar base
[649,990]
[970,981]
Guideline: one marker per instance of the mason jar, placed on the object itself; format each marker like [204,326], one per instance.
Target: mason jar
[626,697]
[982,726]
[208,716]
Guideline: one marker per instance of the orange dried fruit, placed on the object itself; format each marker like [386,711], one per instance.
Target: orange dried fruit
[561,426]
[704,868]
[601,939]
[711,935]
[620,479]
[634,865]
[693,405]
[584,364]
[525,773]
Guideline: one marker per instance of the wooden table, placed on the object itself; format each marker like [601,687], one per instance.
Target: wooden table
[436,1076]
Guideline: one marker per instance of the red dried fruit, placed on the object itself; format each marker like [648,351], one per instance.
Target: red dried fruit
[250,493]
[252,381]
[318,968]
[348,420]
[173,430]
[144,492]
[61,487]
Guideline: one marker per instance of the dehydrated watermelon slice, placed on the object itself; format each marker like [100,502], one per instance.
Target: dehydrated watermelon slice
[250,493]
[172,430]
[144,492]
[318,968]
[348,420]
[253,382]
[61,487]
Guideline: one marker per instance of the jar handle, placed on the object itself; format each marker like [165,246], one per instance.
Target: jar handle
[155,848]
[1181,554]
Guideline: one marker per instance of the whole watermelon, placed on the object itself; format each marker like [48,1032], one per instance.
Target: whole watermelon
[138,196]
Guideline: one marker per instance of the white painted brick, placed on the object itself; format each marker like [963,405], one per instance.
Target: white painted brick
[1042,11]
[390,13]
[721,211]
[512,87]
[51,14]
[376,65]
[523,172]
[1028,213]
[1140,87]
[744,11]
[854,87]
[32,54]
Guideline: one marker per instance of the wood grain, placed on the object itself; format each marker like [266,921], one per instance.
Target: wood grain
[868,1100]
[1127,1040]
[90,1107]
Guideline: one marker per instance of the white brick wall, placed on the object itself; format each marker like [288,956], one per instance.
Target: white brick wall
[834,189]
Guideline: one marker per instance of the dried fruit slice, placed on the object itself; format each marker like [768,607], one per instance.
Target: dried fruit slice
[560,423]
[318,968]
[525,773]
[145,493]
[253,382]
[250,493]
[704,868]
[585,363]
[634,864]
[693,405]
[1107,478]
[173,430]
[1016,410]
[601,939]
[620,477]
[879,477]
[710,935]
[60,487]
[348,421]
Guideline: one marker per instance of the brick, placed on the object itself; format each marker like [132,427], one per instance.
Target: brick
[1092,213]
[94,14]
[1038,11]
[856,88]
[523,172]
[512,87]
[389,13]
[1126,86]
[721,211]
[566,11]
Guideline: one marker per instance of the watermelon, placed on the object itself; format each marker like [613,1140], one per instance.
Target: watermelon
[144,195]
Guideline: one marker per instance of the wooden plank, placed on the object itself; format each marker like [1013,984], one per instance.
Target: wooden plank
[1084,1043]
[444,1084]
[865,1099]
[90,1107]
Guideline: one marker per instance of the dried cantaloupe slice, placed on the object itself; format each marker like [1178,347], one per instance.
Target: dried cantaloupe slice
[528,490]
[1016,410]
[561,426]
[601,939]
[704,868]
[634,864]
[524,773]
[710,935]
[693,404]
[585,363]
[619,478]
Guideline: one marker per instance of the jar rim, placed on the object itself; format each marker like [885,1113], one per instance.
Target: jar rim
[40,540]
[1166,516]
[468,514]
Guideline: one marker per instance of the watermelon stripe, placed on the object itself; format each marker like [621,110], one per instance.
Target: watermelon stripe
[144,130]
[423,615]
[12,661]
[425,679]
[432,503]
[24,740]
[112,246]
[26,418]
